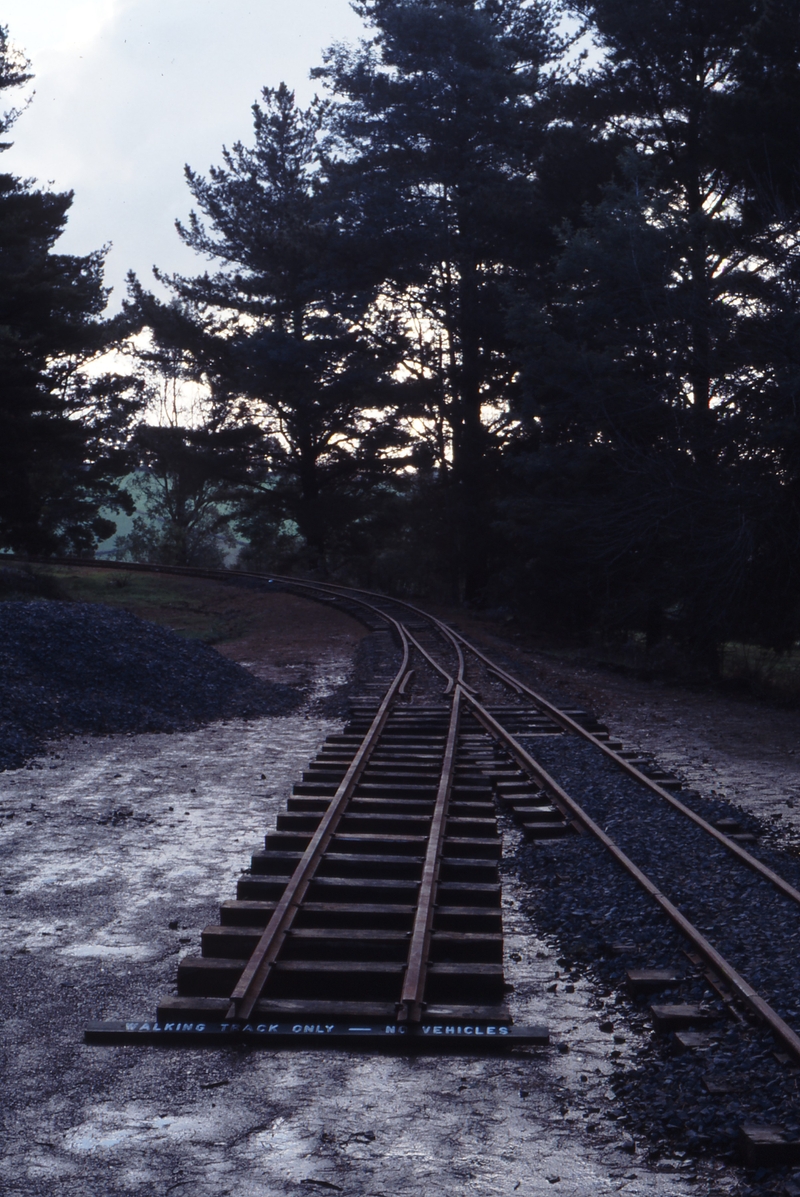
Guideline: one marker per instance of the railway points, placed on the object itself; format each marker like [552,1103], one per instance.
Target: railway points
[390,829]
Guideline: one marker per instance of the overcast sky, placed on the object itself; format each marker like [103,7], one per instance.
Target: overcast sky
[127,91]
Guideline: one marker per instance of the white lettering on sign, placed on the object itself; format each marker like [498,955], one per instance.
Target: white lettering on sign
[438,1029]
[275,1028]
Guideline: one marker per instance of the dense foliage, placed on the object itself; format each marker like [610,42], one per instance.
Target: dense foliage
[63,431]
[511,316]
[663,367]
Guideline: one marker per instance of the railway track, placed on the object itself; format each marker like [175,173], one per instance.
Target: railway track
[373,910]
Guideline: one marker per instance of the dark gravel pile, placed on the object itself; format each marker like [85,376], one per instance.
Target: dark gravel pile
[86,668]
[583,898]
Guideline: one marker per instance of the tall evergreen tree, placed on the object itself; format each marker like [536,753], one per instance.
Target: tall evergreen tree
[62,433]
[673,78]
[280,332]
[657,358]
[439,126]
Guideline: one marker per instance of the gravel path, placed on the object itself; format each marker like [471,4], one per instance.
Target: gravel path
[101,861]
[95,914]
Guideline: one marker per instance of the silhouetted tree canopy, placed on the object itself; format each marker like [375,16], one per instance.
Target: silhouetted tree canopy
[661,373]
[63,431]
[511,316]
[437,131]
[284,333]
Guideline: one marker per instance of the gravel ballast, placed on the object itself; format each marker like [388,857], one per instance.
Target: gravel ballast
[695,1100]
[78,668]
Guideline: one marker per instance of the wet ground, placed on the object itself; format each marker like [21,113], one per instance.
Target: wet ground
[116,854]
[97,909]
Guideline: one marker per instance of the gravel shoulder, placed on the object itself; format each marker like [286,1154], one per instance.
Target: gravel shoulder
[96,912]
[731,747]
[118,853]
[120,848]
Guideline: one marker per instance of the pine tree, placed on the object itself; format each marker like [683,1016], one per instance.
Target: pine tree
[280,333]
[62,433]
[673,78]
[439,125]
[653,371]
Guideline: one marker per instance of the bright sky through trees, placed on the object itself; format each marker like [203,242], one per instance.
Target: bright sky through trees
[127,91]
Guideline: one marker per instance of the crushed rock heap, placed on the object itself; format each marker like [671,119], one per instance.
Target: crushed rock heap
[87,668]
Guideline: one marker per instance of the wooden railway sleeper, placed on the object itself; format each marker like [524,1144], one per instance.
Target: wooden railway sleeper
[251,983]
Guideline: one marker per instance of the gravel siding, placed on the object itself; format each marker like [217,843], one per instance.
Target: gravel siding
[72,668]
[582,897]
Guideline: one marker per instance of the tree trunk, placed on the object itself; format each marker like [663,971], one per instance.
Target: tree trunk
[469,446]
[309,516]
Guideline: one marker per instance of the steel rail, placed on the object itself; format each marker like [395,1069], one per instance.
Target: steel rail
[737,983]
[448,677]
[451,681]
[256,973]
[252,981]
[570,724]
[411,998]
[742,988]
[413,992]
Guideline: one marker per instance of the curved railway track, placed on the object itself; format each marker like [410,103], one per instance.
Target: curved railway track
[374,908]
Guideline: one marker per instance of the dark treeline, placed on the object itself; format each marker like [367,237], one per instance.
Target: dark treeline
[510,316]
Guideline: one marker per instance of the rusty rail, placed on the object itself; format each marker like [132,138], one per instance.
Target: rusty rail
[780,1029]
[410,1009]
[251,984]
[252,981]
[570,724]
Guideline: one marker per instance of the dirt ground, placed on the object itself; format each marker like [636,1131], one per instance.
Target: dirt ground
[300,642]
[97,908]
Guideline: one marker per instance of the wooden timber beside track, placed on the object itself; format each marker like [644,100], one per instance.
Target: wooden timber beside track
[346,954]
[373,911]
